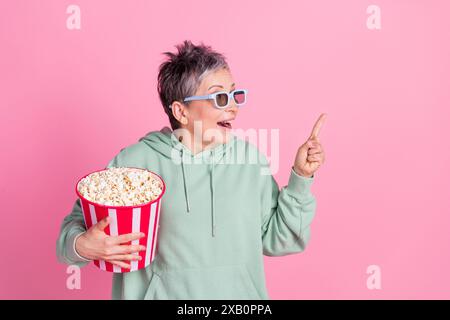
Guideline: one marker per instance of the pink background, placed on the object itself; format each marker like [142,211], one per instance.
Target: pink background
[71,99]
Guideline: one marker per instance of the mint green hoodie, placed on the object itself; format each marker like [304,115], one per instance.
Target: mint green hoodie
[221,212]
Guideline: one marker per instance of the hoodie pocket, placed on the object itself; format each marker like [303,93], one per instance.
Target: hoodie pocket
[218,282]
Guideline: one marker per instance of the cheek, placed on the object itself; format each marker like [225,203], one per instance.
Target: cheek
[206,114]
[195,116]
[209,117]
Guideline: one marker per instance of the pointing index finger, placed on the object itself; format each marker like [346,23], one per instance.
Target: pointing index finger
[318,126]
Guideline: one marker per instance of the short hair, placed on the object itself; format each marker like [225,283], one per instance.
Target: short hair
[181,75]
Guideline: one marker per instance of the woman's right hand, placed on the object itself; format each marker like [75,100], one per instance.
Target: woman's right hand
[95,244]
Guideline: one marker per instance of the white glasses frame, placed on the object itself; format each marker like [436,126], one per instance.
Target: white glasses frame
[212,96]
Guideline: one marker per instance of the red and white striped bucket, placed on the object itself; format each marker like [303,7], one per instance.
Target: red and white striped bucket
[126,219]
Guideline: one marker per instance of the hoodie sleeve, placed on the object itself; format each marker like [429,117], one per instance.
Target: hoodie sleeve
[287,218]
[71,228]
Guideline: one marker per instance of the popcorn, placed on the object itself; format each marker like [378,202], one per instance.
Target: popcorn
[121,186]
[131,198]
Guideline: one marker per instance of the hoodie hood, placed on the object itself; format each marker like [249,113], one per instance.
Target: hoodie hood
[166,143]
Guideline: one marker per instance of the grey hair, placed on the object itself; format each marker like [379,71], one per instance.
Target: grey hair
[181,75]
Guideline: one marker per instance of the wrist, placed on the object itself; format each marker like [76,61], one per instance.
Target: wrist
[77,246]
[301,173]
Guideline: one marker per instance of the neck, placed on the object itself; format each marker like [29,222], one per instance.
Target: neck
[193,144]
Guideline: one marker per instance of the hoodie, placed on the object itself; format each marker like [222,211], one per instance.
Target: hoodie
[220,214]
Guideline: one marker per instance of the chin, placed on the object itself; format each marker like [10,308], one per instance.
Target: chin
[217,135]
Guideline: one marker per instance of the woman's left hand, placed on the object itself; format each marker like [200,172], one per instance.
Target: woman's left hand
[310,156]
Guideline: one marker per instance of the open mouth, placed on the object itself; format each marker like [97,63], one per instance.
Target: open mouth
[225,124]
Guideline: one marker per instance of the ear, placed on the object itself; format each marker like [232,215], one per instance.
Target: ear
[180,112]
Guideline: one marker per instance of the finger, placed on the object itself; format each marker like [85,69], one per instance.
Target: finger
[314,151]
[313,143]
[127,237]
[127,249]
[121,264]
[102,224]
[314,158]
[320,157]
[318,125]
[125,257]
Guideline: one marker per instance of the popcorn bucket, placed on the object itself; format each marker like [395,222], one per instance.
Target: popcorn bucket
[126,219]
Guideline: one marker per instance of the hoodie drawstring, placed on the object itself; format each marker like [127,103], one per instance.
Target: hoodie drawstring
[213,216]
[186,195]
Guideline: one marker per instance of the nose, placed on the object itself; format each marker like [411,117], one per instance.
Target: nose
[232,107]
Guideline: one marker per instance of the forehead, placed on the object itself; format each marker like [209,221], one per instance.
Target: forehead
[222,77]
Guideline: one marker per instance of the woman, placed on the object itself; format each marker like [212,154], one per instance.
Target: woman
[218,216]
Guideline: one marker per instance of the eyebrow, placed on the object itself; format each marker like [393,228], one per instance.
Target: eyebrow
[220,86]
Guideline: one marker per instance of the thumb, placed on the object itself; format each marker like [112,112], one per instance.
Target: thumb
[102,224]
